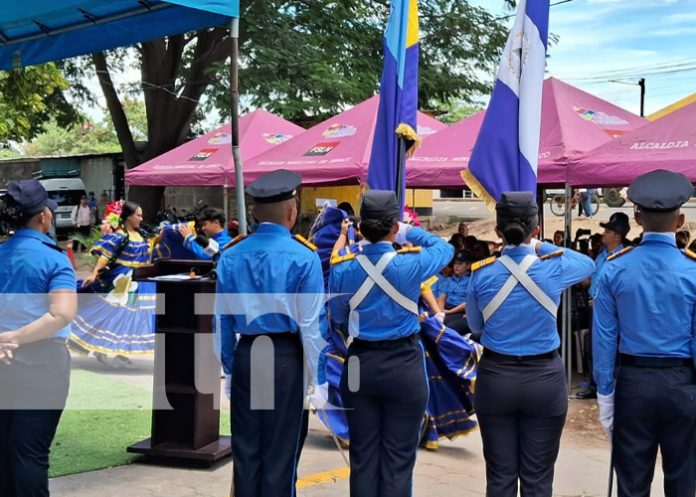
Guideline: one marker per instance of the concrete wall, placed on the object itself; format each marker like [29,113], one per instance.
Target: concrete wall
[17,169]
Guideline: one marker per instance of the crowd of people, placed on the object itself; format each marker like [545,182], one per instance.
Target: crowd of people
[384,278]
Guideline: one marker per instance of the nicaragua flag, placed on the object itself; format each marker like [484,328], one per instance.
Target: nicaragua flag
[506,153]
[398,103]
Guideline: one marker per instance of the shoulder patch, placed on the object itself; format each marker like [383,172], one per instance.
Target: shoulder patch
[305,242]
[552,255]
[481,264]
[690,254]
[235,241]
[409,250]
[337,259]
[54,247]
[619,254]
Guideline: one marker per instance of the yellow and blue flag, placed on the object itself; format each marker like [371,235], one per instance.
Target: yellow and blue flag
[398,104]
[506,153]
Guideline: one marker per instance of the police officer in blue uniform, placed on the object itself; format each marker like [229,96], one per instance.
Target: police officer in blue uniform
[645,319]
[521,396]
[271,292]
[37,302]
[384,385]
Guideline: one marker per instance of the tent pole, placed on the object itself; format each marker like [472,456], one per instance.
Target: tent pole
[236,155]
[226,201]
[567,338]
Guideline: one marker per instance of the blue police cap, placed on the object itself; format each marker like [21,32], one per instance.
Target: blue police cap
[378,204]
[517,204]
[31,196]
[274,187]
[660,191]
[462,257]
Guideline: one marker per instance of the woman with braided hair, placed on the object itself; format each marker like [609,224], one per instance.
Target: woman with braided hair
[115,315]
[521,398]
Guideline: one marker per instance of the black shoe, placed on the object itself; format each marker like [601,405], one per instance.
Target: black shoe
[590,393]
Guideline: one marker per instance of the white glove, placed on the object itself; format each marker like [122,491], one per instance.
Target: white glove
[228,386]
[532,244]
[606,413]
[404,228]
[440,316]
[320,396]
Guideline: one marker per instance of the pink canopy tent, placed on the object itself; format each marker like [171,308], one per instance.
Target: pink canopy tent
[572,123]
[206,160]
[335,151]
[668,143]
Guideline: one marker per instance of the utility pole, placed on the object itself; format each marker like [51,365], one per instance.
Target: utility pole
[641,83]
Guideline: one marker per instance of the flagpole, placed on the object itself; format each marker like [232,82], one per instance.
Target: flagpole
[236,154]
[400,166]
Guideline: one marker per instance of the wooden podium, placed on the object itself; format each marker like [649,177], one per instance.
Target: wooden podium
[186,369]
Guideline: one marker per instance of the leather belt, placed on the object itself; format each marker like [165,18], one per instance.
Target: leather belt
[655,362]
[520,358]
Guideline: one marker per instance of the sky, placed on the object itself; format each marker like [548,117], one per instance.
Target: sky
[601,41]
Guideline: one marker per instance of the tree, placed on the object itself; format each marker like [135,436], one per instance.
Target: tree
[31,97]
[309,59]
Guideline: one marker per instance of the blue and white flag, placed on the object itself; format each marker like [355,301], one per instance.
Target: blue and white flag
[506,153]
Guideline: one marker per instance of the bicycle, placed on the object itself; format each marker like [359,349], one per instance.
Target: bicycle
[558,203]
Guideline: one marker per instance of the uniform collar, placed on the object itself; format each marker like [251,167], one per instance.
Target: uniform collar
[668,238]
[518,250]
[37,235]
[272,229]
[377,248]
[619,248]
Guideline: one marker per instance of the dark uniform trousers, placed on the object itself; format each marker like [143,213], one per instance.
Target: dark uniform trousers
[655,407]
[521,407]
[266,443]
[385,415]
[33,390]
[457,321]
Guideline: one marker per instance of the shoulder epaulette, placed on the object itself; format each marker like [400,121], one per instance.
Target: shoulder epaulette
[690,254]
[409,250]
[481,264]
[337,259]
[619,254]
[235,241]
[305,242]
[552,255]
[54,247]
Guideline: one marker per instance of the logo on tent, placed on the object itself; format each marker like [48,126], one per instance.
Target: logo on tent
[220,138]
[599,118]
[321,149]
[276,138]
[204,154]
[340,131]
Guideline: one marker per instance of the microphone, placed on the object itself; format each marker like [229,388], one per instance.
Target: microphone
[210,246]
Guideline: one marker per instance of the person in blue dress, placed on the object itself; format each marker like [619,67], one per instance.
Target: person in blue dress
[374,295]
[645,321]
[521,398]
[37,302]
[105,326]
[270,291]
[212,226]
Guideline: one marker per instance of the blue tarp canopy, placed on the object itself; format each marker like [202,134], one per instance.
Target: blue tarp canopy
[37,31]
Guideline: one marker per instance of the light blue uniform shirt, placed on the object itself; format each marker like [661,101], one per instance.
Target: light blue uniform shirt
[222,238]
[31,266]
[599,264]
[380,318]
[455,288]
[645,307]
[521,326]
[271,283]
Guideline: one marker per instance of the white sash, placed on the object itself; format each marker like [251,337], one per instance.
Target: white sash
[518,275]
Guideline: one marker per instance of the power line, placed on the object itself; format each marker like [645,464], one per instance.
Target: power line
[510,16]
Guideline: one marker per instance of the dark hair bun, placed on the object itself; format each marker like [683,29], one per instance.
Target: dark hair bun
[514,233]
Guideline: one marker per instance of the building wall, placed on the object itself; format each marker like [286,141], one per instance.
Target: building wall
[11,170]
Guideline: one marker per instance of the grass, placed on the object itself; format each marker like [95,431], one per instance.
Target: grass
[89,439]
